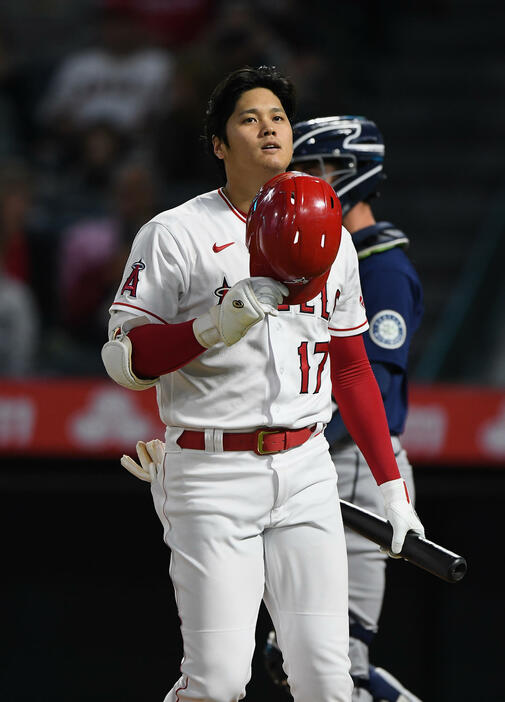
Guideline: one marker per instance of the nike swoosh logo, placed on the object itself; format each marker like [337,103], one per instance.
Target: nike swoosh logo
[217,248]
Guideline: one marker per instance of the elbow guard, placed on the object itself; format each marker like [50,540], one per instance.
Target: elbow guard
[117,359]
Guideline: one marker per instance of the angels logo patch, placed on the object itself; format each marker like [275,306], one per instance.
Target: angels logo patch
[132,281]
[388,329]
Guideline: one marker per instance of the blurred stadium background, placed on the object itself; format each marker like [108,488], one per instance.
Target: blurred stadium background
[101,105]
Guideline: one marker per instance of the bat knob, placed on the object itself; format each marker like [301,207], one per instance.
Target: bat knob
[458,569]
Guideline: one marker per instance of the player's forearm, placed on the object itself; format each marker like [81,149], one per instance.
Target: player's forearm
[162,348]
[360,403]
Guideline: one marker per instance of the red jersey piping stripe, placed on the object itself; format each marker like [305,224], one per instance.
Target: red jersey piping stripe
[349,328]
[134,307]
[183,687]
[241,215]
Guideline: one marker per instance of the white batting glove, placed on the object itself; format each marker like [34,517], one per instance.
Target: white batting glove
[400,513]
[150,455]
[244,305]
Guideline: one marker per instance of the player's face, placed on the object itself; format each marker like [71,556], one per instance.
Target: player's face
[260,140]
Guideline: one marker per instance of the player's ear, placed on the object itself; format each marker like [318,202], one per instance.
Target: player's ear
[218,146]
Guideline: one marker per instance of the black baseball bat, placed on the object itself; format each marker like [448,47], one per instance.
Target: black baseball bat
[423,553]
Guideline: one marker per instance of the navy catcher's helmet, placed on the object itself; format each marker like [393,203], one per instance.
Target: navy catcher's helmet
[353,143]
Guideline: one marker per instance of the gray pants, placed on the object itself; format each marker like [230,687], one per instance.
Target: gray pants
[367,564]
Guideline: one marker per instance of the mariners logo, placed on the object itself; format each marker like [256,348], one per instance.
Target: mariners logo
[388,329]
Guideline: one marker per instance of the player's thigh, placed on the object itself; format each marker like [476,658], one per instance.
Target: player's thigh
[367,577]
[305,556]
[218,581]
[214,531]
[306,594]
[356,483]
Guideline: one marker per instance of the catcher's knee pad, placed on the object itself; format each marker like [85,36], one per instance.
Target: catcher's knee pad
[357,630]
[385,688]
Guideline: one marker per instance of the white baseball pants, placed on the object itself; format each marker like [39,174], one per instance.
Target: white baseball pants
[243,527]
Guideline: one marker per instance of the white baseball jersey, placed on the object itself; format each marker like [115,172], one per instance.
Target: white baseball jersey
[182,262]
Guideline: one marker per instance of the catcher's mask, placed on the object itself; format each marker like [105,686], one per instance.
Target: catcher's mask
[355,148]
[293,233]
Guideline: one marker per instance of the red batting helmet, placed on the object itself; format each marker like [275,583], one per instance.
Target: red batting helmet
[293,233]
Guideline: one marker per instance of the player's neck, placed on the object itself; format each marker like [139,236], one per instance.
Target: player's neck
[241,194]
[359,217]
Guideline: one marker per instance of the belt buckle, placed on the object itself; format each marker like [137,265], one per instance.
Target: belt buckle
[261,437]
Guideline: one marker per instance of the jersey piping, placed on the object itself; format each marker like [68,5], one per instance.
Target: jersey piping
[241,215]
[135,307]
[349,328]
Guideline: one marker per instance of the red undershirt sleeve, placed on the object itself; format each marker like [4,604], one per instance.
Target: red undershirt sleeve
[162,348]
[360,403]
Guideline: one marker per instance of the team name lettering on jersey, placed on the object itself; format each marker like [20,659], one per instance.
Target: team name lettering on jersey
[132,281]
[305,308]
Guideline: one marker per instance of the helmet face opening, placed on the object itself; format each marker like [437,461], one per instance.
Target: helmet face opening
[332,168]
[348,151]
[293,233]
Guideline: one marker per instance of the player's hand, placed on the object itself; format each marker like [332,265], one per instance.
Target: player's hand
[150,455]
[400,513]
[269,293]
[244,305]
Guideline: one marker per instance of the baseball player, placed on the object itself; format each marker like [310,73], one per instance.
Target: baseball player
[246,489]
[349,153]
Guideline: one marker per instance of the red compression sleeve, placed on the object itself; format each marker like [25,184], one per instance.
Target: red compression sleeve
[162,348]
[360,403]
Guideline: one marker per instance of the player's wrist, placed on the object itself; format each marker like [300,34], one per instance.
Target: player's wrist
[394,491]
[205,328]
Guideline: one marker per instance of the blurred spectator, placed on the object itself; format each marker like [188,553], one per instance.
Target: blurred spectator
[15,193]
[171,22]
[8,141]
[91,261]
[81,185]
[237,37]
[27,254]
[18,315]
[18,80]
[18,327]
[121,81]
[313,53]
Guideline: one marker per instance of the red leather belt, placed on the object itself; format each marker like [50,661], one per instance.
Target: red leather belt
[262,441]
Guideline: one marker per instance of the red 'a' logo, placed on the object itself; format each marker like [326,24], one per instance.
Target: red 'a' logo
[132,281]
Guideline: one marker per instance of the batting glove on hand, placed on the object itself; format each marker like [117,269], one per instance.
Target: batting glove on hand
[400,513]
[150,455]
[244,305]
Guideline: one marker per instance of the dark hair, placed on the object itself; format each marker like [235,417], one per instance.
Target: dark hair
[225,95]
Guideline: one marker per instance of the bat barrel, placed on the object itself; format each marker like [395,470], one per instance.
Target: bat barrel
[423,553]
[434,558]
